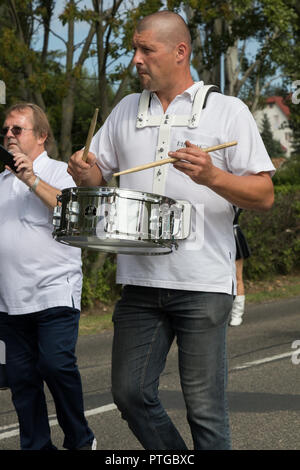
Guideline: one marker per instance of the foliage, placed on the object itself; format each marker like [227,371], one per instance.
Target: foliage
[272,145]
[274,237]
[227,30]
[98,279]
[294,122]
[289,173]
[288,58]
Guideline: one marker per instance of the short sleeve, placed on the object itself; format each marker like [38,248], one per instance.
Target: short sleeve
[249,156]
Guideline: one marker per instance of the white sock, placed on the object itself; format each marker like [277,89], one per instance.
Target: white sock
[237,311]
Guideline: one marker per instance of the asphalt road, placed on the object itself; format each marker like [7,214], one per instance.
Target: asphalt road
[263,387]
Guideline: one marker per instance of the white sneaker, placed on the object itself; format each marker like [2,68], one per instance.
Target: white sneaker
[237,311]
[236,321]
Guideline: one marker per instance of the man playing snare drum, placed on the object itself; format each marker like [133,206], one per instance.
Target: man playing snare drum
[187,294]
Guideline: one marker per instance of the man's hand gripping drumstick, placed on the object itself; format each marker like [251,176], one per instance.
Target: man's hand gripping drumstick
[82,164]
[198,165]
[175,158]
[196,162]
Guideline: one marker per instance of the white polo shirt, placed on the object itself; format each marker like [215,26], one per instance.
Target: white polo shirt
[206,260]
[36,272]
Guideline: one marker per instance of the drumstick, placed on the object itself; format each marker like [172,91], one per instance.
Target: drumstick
[90,135]
[172,160]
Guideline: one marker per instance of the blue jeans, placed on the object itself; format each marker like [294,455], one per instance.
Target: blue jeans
[41,347]
[146,321]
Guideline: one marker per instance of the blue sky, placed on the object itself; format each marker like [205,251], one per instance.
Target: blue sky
[81,30]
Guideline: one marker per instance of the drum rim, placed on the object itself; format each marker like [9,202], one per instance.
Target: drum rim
[121,192]
[161,247]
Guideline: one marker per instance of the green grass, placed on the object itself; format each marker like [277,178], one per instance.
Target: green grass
[91,324]
[261,297]
[282,287]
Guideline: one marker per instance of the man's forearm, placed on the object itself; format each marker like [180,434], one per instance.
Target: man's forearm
[48,194]
[254,192]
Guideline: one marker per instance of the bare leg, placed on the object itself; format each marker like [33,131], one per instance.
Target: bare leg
[238,307]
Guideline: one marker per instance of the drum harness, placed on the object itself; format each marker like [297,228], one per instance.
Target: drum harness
[165,123]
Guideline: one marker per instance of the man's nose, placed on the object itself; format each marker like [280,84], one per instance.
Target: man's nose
[137,58]
[9,133]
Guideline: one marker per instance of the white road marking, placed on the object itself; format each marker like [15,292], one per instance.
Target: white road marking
[265,360]
[12,430]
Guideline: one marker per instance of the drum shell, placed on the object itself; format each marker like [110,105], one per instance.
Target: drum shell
[116,220]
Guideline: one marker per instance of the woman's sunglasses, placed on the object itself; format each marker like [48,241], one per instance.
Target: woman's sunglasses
[16,130]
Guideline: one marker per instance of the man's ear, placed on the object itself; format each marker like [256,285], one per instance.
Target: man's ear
[42,139]
[182,51]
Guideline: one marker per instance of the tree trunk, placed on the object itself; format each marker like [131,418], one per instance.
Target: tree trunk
[67,120]
[73,73]
[231,69]
[257,92]
[212,74]
[68,101]
[28,69]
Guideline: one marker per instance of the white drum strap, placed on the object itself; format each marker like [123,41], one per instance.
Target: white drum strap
[165,123]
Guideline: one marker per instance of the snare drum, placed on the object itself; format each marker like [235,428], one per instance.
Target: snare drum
[120,221]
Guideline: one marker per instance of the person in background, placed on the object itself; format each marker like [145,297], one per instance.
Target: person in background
[3,378]
[242,252]
[40,288]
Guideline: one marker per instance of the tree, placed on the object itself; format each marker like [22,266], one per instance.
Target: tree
[273,146]
[114,28]
[73,72]
[290,60]
[223,30]
[19,65]
[294,122]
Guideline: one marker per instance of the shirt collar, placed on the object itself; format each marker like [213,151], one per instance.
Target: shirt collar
[189,92]
[192,90]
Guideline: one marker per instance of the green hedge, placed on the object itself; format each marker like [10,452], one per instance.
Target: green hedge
[99,272]
[274,236]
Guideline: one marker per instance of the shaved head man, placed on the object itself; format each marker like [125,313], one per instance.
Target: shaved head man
[171,28]
[185,296]
[162,45]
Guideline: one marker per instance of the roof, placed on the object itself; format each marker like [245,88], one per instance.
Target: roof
[279,100]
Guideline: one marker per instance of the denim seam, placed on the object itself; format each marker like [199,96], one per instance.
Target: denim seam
[225,382]
[144,374]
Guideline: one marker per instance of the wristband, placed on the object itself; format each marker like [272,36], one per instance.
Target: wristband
[36,182]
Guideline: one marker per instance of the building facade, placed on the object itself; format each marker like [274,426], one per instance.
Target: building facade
[278,114]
